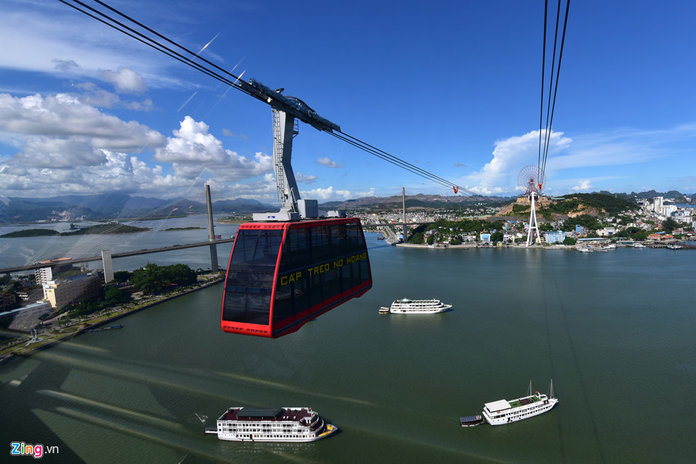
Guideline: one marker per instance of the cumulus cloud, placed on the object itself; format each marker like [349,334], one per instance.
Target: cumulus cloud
[193,149]
[326,194]
[509,156]
[329,163]
[117,172]
[192,144]
[67,146]
[583,185]
[64,116]
[45,152]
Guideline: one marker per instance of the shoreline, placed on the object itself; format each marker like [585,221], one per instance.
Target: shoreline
[81,327]
[472,246]
[576,247]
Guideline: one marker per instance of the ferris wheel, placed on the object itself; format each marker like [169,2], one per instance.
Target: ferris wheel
[528,181]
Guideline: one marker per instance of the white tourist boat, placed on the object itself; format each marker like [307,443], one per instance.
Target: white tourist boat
[408,306]
[506,411]
[271,424]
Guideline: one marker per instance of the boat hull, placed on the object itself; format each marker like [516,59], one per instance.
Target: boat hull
[330,429]
[420,311]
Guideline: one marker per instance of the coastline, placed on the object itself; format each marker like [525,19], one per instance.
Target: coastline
[23,350]
[470,246]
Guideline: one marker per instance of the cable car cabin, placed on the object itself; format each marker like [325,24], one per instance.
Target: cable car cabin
[282,275]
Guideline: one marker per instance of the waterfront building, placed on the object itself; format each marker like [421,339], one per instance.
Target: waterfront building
[485,237]
[555,236]
[43,275]
[63,292]
[580,230]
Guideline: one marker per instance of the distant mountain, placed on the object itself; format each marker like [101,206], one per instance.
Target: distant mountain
[112,206]
[119,205]
[420,201]
[672,195]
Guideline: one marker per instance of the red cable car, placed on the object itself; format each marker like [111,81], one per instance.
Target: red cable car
[282,275]
[290,267]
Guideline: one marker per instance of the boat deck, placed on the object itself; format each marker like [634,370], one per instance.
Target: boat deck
[524,401]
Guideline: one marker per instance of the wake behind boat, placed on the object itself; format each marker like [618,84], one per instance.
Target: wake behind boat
[408,306]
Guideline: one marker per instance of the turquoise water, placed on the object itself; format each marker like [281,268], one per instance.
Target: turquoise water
[614,330]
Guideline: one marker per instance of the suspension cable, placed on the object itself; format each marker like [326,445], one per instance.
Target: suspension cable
[553,89]
[232,80]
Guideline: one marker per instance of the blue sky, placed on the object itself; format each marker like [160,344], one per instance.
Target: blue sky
[452,87]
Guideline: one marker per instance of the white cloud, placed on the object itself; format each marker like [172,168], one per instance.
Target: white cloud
[583,186]
[193,150]
[329,163]
[66,146]
[326,194]
[125,80]
[305,179]
[94,96]
[45,152]
[54,38]
[509,156]
[63,116]
[369,193]
[192,144]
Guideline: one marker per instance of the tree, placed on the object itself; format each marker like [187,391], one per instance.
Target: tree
[569,241]
[497,237]
[155,279]
[416,238]
[122,276]
[669,225]
[431,239]
[114,296]
[585,220]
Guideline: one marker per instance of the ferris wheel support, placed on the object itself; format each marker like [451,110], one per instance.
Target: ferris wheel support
[533,224]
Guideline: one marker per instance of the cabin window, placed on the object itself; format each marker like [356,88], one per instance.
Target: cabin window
[250,276]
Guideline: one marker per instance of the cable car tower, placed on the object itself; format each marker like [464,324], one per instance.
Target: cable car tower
[287,111]
[528,180]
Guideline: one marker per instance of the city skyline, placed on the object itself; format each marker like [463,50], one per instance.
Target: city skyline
[453,89]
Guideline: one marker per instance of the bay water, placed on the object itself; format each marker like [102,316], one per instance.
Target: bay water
[615,332]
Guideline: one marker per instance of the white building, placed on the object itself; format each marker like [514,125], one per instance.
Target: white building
[606,232]
[658,203]
[43,275]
